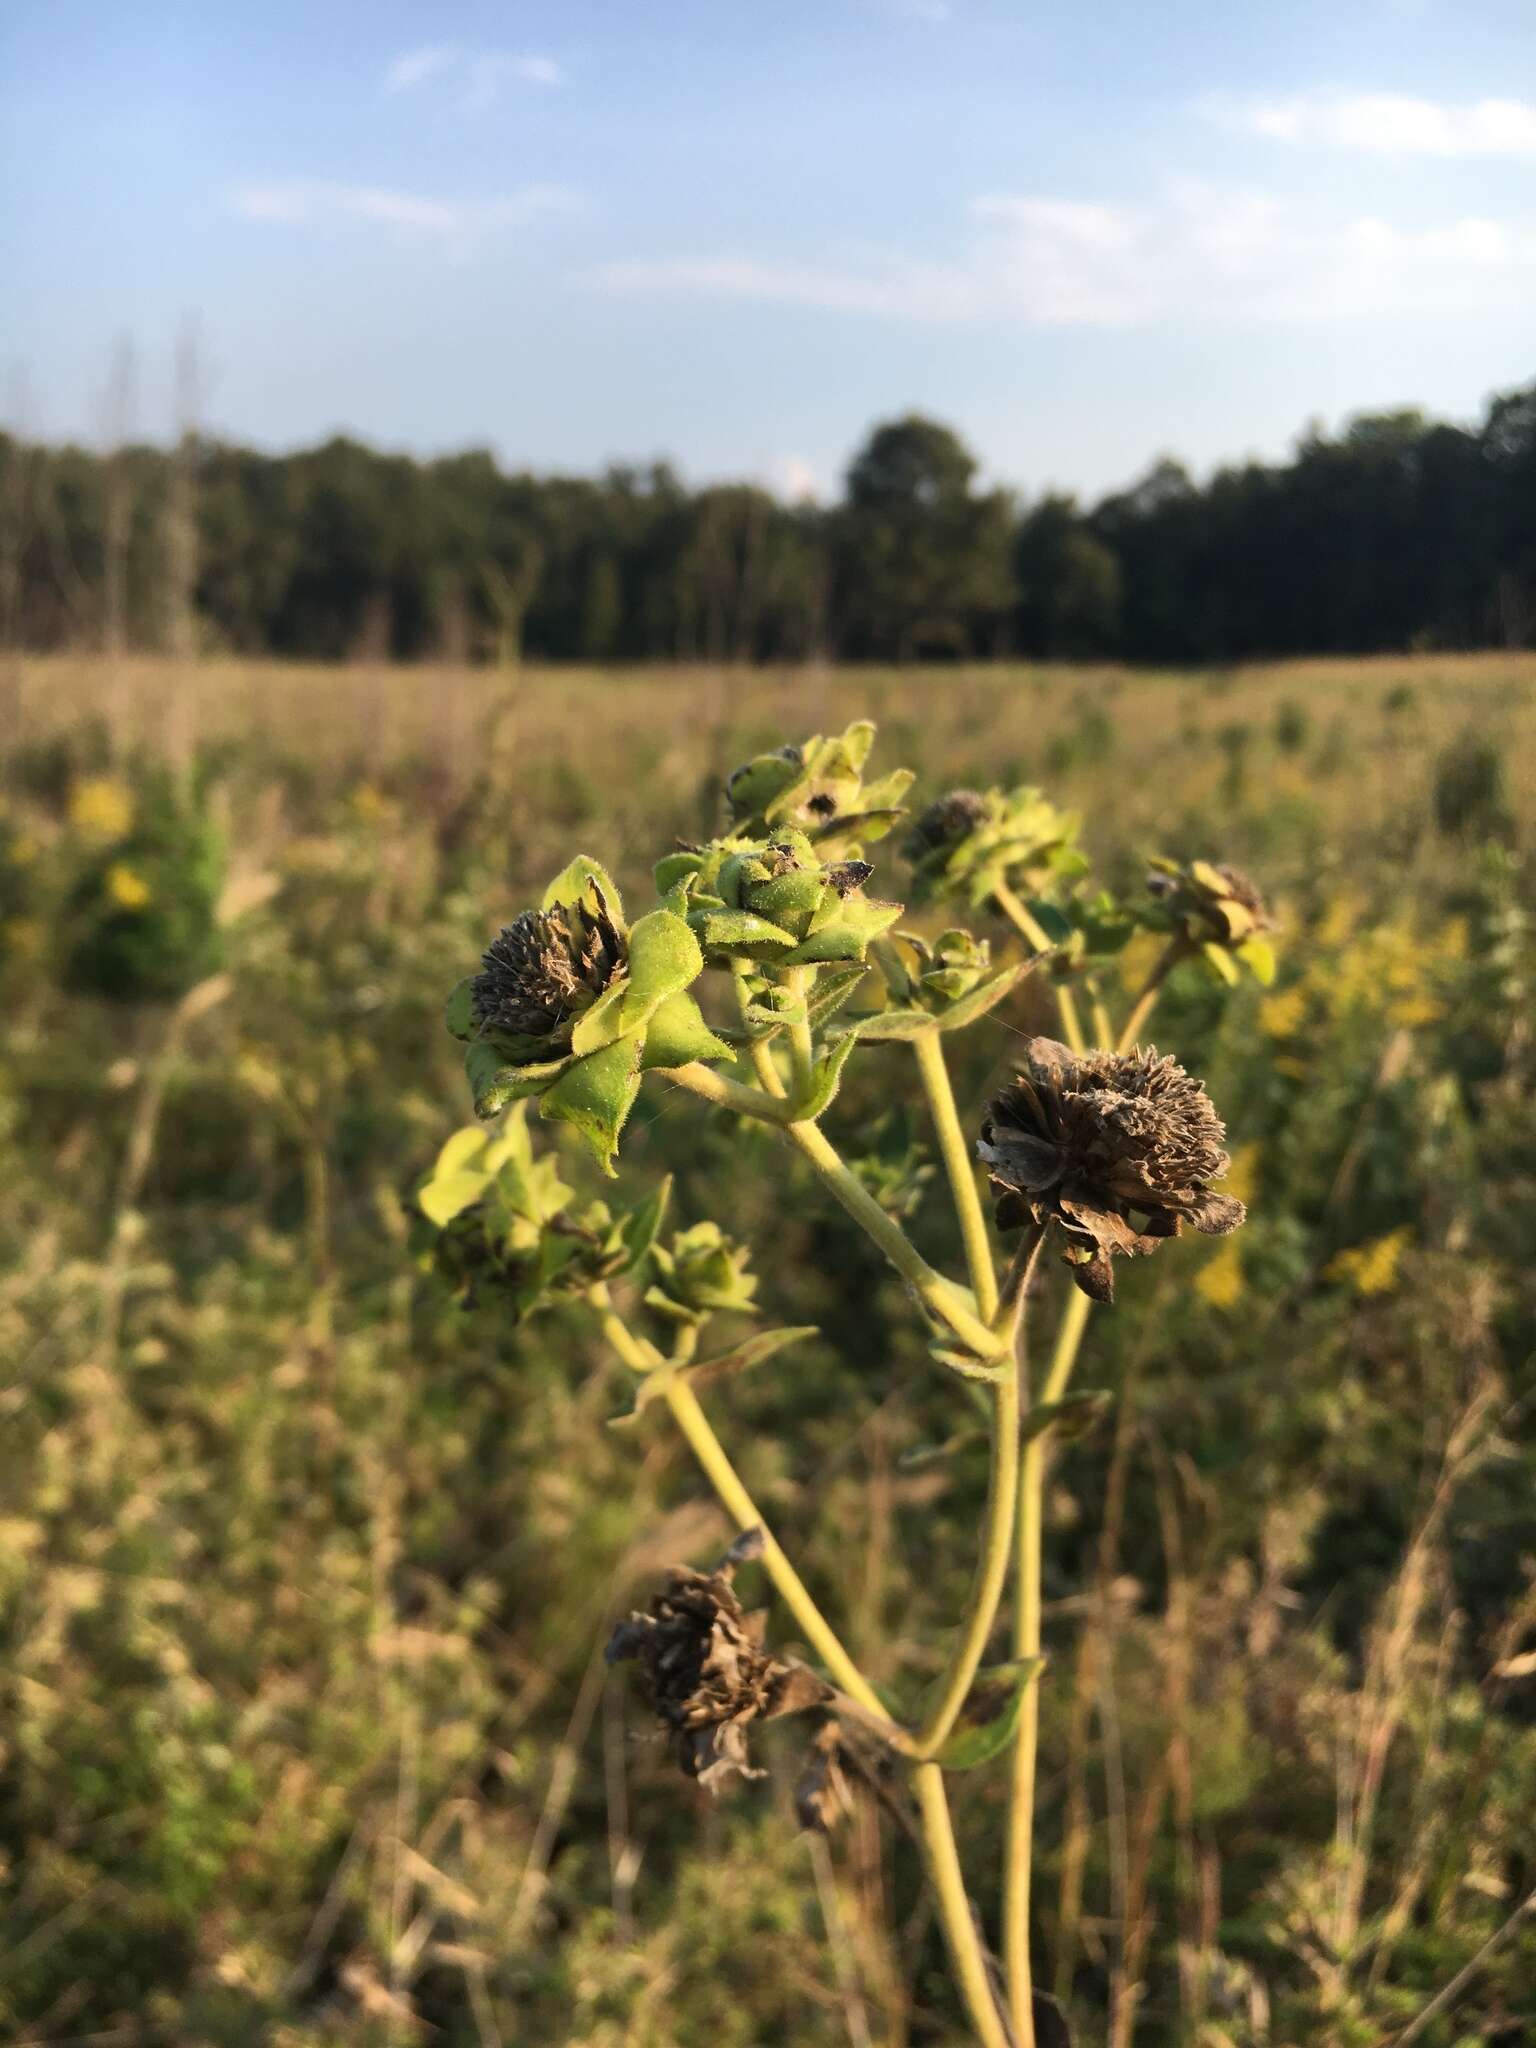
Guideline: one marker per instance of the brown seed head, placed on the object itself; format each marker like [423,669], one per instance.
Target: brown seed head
[542,971]
[945,822]
[1084,1141]
[707,1674]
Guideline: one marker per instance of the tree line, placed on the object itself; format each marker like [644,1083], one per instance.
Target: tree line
[1398,532]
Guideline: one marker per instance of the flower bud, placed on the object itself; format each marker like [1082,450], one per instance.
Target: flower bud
[968,845]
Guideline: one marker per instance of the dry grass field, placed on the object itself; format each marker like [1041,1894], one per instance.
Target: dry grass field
[305,1574]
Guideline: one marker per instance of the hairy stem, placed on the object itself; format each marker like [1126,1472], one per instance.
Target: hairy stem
[738,1503]
[802,1050]
[722,1475]
[1019,1854]
[1019,915]
[960,1166]
[948,1302]
[970,1966]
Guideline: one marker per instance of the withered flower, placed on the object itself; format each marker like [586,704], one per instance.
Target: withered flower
[708,1676]
[1085,1141]
[823,1793]
[543,970]
[944,824]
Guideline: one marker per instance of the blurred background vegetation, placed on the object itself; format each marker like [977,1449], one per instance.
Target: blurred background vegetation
[305,1576]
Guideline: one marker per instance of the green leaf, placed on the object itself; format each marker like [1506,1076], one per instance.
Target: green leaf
[641,1224]
[1259,956]
[673,868]
[1072,1416]
[970,1367]
[459,1014]
[602,1023]
[462,1149]
[677,1034]
[986,995]
[921,1456]
[447,1195]
[1056,926]
[495,1082]
[664,957]
[831,992]
[876,1024]
[596,1094]
[825,1077]
[853,923]
[570,885]
[753,1350]
[1222,963]
[739,931]
[969,1747]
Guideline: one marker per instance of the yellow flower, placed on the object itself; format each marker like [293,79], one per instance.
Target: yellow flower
[1280,1016]
[1372,1268]
[1220,1279]
[101,807]
[127,887]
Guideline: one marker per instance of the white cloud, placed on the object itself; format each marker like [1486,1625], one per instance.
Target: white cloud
[1199,253]
[415,67]
[1385,124]
[480,73]
[456,225]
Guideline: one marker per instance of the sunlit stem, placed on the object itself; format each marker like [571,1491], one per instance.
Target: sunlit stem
[1175,950]
[960,1166]
[944,1872]
[1020,916]
[739,1505]
[1019,1853]
[949,1303]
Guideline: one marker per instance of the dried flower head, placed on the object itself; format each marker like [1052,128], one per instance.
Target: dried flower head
[823,1792]
[1214,902]
[542,971]
[944,824]
[707,1674]
[969,845]
[1084,1141]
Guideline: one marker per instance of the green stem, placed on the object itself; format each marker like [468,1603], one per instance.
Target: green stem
[722,1475]
[944,1872]
[758,1049]
[1019,1852]
[941,1296]
[1152,988]
[991,1574]
[802,1050]
[947,1302]
[738,1503]
[959,1164]
[1020,916]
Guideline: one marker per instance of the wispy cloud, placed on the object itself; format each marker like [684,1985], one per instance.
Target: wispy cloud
[456,226]
[478,75]
[1200,253]
[415,67]
[1384,124]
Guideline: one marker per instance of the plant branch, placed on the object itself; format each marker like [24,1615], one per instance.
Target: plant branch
[1175,950]
[1024,922]
[960,1166]
[944,1872]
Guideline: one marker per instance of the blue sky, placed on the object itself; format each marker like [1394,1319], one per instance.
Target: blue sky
[737,233]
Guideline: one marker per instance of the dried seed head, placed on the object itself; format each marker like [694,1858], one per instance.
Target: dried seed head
[944,824]
[1085,1141]
[707,1674]
[542,971]
[824,1795]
